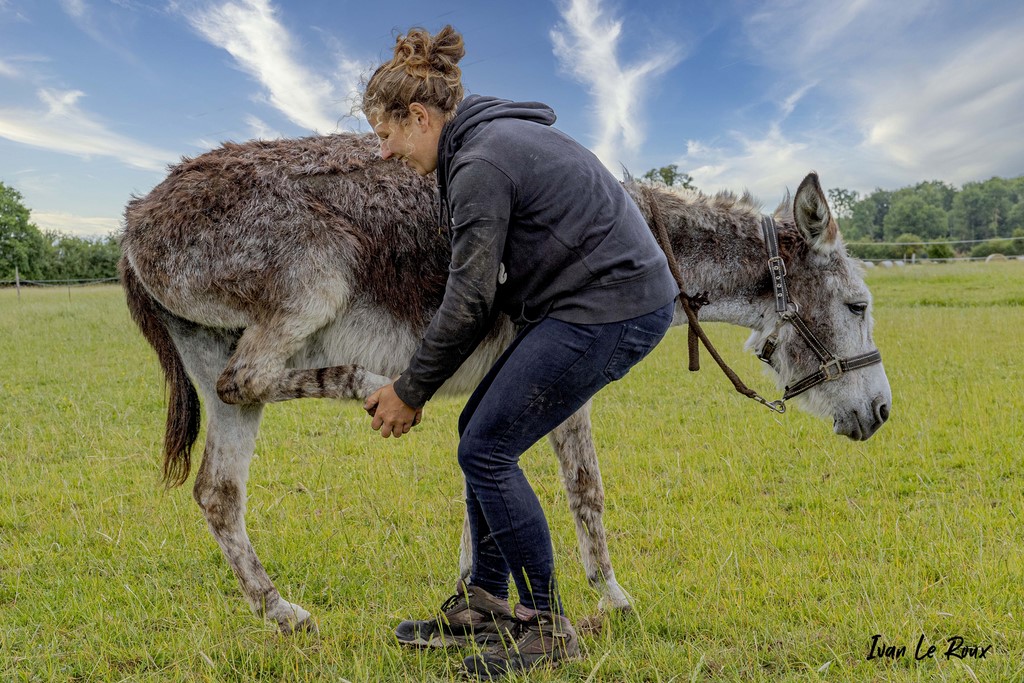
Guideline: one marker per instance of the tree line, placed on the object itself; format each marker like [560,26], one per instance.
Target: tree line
[931,219]
[48,255]
[958,222]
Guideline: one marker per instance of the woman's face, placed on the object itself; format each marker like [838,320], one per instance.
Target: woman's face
[412,141]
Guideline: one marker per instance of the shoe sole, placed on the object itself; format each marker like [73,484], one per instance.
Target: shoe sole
[450,642]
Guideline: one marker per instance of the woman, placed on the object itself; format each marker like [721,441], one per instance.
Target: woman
[543,232]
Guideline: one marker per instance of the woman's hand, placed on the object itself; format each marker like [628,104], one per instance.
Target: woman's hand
[391,416]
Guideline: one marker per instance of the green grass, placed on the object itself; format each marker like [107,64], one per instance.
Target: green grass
[757,547]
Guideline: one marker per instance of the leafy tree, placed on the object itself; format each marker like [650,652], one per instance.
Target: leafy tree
[81,258]
[935,210]
[910,213]
[868,217]
[21,243]
[1008,247]
[48,255]
[936,193]
[983,210]
[874,252]
[1015,218]
[940,250]
[670,175]
[841,201]
[909,245]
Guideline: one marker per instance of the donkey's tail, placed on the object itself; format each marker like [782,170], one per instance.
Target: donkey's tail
[183,404]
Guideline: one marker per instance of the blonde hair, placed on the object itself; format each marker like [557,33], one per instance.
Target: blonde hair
[424,69]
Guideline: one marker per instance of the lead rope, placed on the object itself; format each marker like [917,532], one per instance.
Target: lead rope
[691,305]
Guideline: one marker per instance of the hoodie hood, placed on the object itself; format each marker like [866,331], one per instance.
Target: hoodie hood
[476,109]
[471,112]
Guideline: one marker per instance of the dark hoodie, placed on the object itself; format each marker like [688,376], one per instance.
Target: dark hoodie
[539,228]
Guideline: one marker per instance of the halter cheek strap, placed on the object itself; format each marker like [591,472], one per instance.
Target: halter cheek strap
[691,305]
[831,367]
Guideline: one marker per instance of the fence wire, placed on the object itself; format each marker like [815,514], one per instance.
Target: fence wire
[58,283]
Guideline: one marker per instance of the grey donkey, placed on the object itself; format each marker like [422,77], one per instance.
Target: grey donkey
[310,268]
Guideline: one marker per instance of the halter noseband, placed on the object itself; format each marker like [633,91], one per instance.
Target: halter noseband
[831,367]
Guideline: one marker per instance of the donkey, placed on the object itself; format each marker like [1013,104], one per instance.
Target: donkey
[310,268]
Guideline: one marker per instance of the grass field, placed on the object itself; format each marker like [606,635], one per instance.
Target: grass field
[757,547]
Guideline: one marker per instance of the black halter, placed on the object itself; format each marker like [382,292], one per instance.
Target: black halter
[831,367]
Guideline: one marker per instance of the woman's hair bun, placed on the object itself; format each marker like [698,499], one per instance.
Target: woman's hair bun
[424,68]
[419,52]
[447,50]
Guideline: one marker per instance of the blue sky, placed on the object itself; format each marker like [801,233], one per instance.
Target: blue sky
[98,96]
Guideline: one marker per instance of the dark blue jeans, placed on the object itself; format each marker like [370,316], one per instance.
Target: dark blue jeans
[547,374]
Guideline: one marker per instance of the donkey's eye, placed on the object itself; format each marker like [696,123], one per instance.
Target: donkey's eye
[858,308]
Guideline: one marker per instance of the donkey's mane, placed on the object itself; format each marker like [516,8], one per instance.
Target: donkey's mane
[744,207]
[724,201]
[726,213]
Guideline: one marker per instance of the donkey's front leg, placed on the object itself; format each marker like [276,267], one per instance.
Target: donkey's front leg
[574,446]
[220,491]
[256,371]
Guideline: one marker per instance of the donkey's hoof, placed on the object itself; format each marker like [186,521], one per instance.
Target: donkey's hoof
[615,601]
[293,619]
[305,626]
[368,385]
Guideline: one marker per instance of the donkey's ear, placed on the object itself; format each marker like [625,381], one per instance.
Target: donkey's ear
[812,215]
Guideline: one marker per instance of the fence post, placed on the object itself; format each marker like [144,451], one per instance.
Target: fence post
[17,281]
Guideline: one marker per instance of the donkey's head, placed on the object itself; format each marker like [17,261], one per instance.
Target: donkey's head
[821,346]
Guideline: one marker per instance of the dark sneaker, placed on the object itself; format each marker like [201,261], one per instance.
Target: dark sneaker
[472,615]
[543,640]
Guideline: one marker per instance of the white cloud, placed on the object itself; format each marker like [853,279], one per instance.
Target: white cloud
[766,166]
[801,37]
[959,117]
[884,94]
[80,226]
[930,96]
[587,45]
[61,126]
[258,129]
[76,8]
[789,104]
[766,162]
[249,30]
[21,66]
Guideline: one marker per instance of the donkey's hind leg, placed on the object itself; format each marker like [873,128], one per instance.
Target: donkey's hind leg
[574,446]
[220,485]
[220,491]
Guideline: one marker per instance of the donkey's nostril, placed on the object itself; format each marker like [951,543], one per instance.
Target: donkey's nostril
[881,410]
